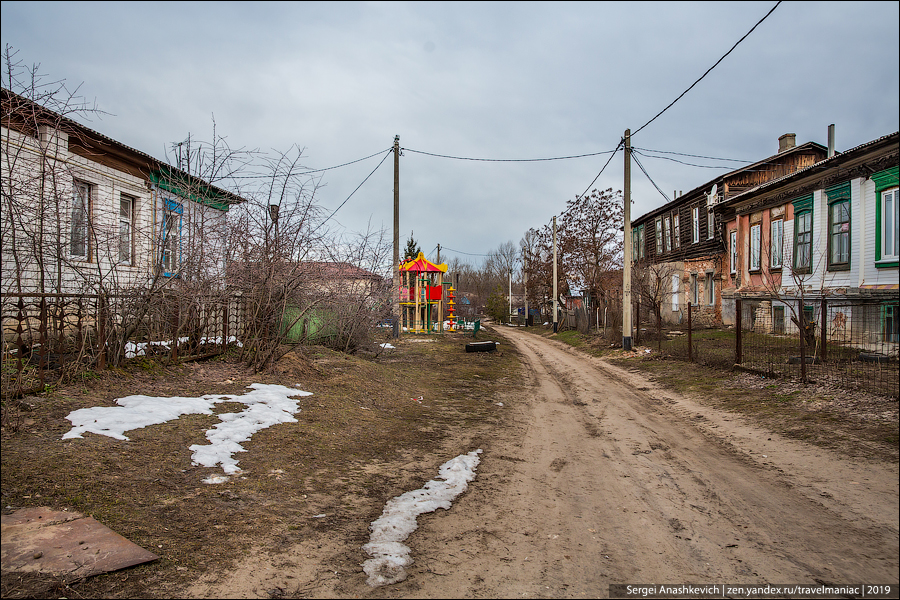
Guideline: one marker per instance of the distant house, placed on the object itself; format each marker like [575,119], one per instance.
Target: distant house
[679,248]
[84,213]
[340,278]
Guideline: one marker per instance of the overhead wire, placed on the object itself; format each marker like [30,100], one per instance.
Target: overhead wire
[708,70]
[635,159]
[386,154]
[509,159]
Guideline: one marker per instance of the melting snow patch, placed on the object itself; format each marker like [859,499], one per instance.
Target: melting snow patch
[267,405]
[398,520]
[214,479]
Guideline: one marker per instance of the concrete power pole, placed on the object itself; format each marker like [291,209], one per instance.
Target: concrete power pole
[555,295]
[626,268]
[396,237]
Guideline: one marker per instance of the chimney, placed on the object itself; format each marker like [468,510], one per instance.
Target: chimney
[831,140]
[786,142]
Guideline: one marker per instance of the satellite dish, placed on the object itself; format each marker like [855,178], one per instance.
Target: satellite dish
[712,193]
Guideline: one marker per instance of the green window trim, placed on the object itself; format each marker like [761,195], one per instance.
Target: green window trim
[889,178]
[209,197]
[802,205]
[836,196]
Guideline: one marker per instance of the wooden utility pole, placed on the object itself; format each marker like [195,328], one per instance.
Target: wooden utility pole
[626,267]
[525,282]
[555,295]
[396,237]
[438,261]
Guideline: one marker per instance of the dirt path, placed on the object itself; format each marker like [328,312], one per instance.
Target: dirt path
[602,478]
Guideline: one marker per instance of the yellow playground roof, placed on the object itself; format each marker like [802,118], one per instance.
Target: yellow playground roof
[423,265]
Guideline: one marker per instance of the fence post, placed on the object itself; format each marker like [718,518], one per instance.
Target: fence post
[738,326]
[42,336]
[802,329]
[690,342]
[823,344]
[101,332]
[175,334]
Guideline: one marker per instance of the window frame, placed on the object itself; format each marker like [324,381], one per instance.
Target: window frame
[710,291]
[82,207]
[754,262]
[676,280]
[838,200]
[170,248]
[659,234]
[126,229]
[710,223]
[695,289]
[667,233]
[734,253]
[676,230]
[695,224]
[887,182]
[776,244]
[803,212]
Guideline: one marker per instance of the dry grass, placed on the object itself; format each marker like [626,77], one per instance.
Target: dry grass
[360,439]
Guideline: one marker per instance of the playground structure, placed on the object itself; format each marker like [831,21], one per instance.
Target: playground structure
[425,297]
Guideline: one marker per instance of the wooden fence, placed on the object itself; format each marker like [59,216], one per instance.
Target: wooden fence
[47,338]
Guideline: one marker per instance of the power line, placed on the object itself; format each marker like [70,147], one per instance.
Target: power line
[466,253]
[708,70]
[691,155]
[621,143]
[386,154]
[681,162]
[509,159]
[269,175]
[650,178]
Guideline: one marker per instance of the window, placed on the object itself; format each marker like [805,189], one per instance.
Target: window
[659,236]
[755,246]
[710,224]
[838,227]
[734,251]
[667,233]
[676,236]
[710,290]
[695,289]
[777,243]
[891,321]
[79,240]
[887,218]
[170,231]
[675,291]
[695,224]
[126,226]
[890,225]
[778,319]
[640,242]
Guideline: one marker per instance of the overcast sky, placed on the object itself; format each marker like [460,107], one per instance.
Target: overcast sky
[481,80]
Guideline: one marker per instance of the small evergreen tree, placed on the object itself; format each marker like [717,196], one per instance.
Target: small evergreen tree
[412,248]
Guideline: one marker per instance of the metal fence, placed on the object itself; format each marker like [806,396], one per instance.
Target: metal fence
[852,344]
[47,338]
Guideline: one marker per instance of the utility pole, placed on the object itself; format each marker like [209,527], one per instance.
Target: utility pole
[396,237]
[439,255]
[626,268]
[555,295]
[509,271]
[525,282]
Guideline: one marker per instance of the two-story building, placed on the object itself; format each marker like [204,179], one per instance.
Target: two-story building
[679,248]
[828,231]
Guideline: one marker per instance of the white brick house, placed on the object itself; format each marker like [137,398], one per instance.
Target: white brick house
[82,213]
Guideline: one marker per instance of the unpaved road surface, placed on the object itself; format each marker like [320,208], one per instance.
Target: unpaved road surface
[603,478]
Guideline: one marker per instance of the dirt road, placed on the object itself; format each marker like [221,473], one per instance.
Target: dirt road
[603,478]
